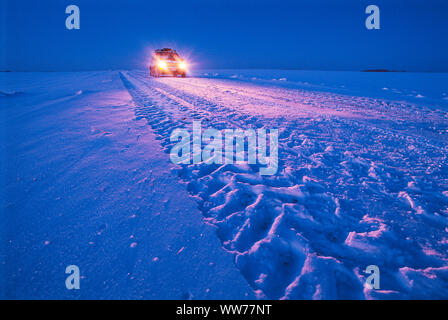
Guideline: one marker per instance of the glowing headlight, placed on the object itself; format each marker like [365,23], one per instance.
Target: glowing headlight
[182,65]
[161,64]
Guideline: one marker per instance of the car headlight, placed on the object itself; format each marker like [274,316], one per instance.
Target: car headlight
[161,64]
[182,65]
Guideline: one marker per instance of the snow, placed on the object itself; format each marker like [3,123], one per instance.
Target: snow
[362,179]
[388,85]
[84,182]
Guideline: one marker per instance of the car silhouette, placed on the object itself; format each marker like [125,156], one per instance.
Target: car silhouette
[167,61]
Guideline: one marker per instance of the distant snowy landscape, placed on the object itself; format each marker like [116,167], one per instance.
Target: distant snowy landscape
[86,179]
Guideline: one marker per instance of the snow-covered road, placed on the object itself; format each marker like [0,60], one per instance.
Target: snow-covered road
[362,180]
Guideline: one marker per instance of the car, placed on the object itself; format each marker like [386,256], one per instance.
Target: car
[167,61]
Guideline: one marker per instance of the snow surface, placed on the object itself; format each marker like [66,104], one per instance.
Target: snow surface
[84,182]
[362,180]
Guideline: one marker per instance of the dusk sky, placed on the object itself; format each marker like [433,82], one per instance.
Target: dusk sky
[318,34]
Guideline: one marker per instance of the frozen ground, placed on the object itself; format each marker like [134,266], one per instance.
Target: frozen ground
[84,182]
[363,179]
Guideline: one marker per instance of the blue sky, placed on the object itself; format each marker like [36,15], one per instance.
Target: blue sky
[318,34]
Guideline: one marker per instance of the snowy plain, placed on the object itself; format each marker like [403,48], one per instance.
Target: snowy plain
[362,179]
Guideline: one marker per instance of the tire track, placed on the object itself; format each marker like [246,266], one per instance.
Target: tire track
[333,207]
